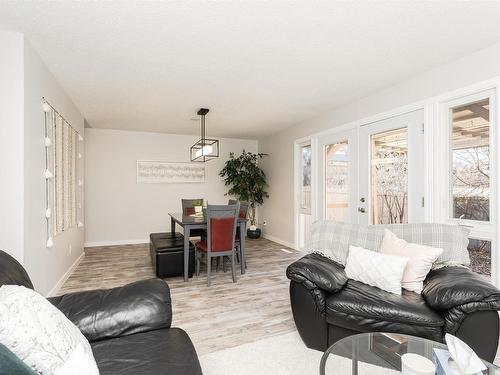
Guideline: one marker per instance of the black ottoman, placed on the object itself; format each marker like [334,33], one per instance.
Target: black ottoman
[167,254]
[154,236]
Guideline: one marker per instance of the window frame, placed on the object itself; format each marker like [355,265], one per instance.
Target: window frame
[479,229]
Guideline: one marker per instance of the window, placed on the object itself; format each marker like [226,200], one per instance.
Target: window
[470,189]
[389,177]
[305,203]
[63,182]
[470,178]
[480,256]
[337,181]
[305,192]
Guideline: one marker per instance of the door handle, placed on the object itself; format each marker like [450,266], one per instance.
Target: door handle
[361,209]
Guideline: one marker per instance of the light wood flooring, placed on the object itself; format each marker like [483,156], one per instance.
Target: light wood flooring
[217,317]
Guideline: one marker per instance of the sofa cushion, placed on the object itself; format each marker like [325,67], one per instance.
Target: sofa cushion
[163,351]
[107,313]
[420,259]
[12,365]
[364,308]
[12,273]
[40,335]
[332,239]
[315,271]
[375,269]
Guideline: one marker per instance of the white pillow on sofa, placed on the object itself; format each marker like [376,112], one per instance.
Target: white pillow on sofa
[420,259]
[375,269]
[41,335]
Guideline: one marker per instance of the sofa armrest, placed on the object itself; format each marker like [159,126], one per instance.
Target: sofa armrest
[450,287]
[106,313]
[316,271]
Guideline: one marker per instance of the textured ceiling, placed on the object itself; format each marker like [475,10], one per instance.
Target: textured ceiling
[259,66]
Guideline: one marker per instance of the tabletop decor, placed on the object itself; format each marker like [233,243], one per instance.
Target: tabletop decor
[415,364]
[247,183]
[459,359]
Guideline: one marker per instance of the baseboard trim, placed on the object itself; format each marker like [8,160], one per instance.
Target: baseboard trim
[66,276]
[278,240]
[115,243]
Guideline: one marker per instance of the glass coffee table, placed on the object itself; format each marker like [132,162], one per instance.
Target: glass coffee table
[378,353]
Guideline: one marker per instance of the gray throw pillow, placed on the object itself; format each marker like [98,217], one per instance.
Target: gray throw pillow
[10,364]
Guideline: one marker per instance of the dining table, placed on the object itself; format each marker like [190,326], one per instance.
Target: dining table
[199,221]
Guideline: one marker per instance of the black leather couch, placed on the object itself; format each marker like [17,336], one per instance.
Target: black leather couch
[128,327]
[327,306]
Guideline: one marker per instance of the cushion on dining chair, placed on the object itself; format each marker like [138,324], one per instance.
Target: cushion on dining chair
[202,245]
[189,211]
[222,233]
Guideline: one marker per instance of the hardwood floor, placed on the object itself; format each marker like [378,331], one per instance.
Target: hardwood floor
[222,316]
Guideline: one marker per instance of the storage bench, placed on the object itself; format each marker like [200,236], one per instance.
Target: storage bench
[167,254]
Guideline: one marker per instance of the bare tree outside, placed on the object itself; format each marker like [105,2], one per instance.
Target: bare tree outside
[390,177]
[471,174]
[471,183]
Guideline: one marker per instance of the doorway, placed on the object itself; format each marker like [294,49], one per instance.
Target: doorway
[374,174]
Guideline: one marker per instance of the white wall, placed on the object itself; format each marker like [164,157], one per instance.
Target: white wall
[117,209]
[278,209]
[46,266]
[11,151]
[25,80]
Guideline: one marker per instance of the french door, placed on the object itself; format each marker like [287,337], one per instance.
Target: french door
[338,178]
[374,174]
[391,170]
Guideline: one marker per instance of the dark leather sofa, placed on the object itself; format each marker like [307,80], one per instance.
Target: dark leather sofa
[129,328]
[327,306]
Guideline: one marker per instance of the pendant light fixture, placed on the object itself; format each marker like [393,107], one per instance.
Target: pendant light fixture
[205,149]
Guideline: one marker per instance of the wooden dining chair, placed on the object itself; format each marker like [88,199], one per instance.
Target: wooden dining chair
[189,208]
[221,233]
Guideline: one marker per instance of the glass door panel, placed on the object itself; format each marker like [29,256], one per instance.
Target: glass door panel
[391,170]
[336,187]
[389,177]
[471,161]
[305,175]
[470,180]
[305,186]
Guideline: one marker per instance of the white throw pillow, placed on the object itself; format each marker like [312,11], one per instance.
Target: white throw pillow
[41,335]
[420,259]
[375,269]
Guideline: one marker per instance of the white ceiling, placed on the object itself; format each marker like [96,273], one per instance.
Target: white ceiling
[259,66]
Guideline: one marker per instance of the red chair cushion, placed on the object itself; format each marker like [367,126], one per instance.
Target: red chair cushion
[189,211]
[201,245]
[222,233]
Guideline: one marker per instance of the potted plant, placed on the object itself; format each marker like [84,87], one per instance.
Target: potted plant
[247,182]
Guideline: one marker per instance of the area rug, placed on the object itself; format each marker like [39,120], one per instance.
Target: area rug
[278,355]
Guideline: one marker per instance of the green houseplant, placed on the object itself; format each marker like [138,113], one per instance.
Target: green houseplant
[247,183]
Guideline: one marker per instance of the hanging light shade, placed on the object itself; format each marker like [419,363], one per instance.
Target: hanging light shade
[205,149]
